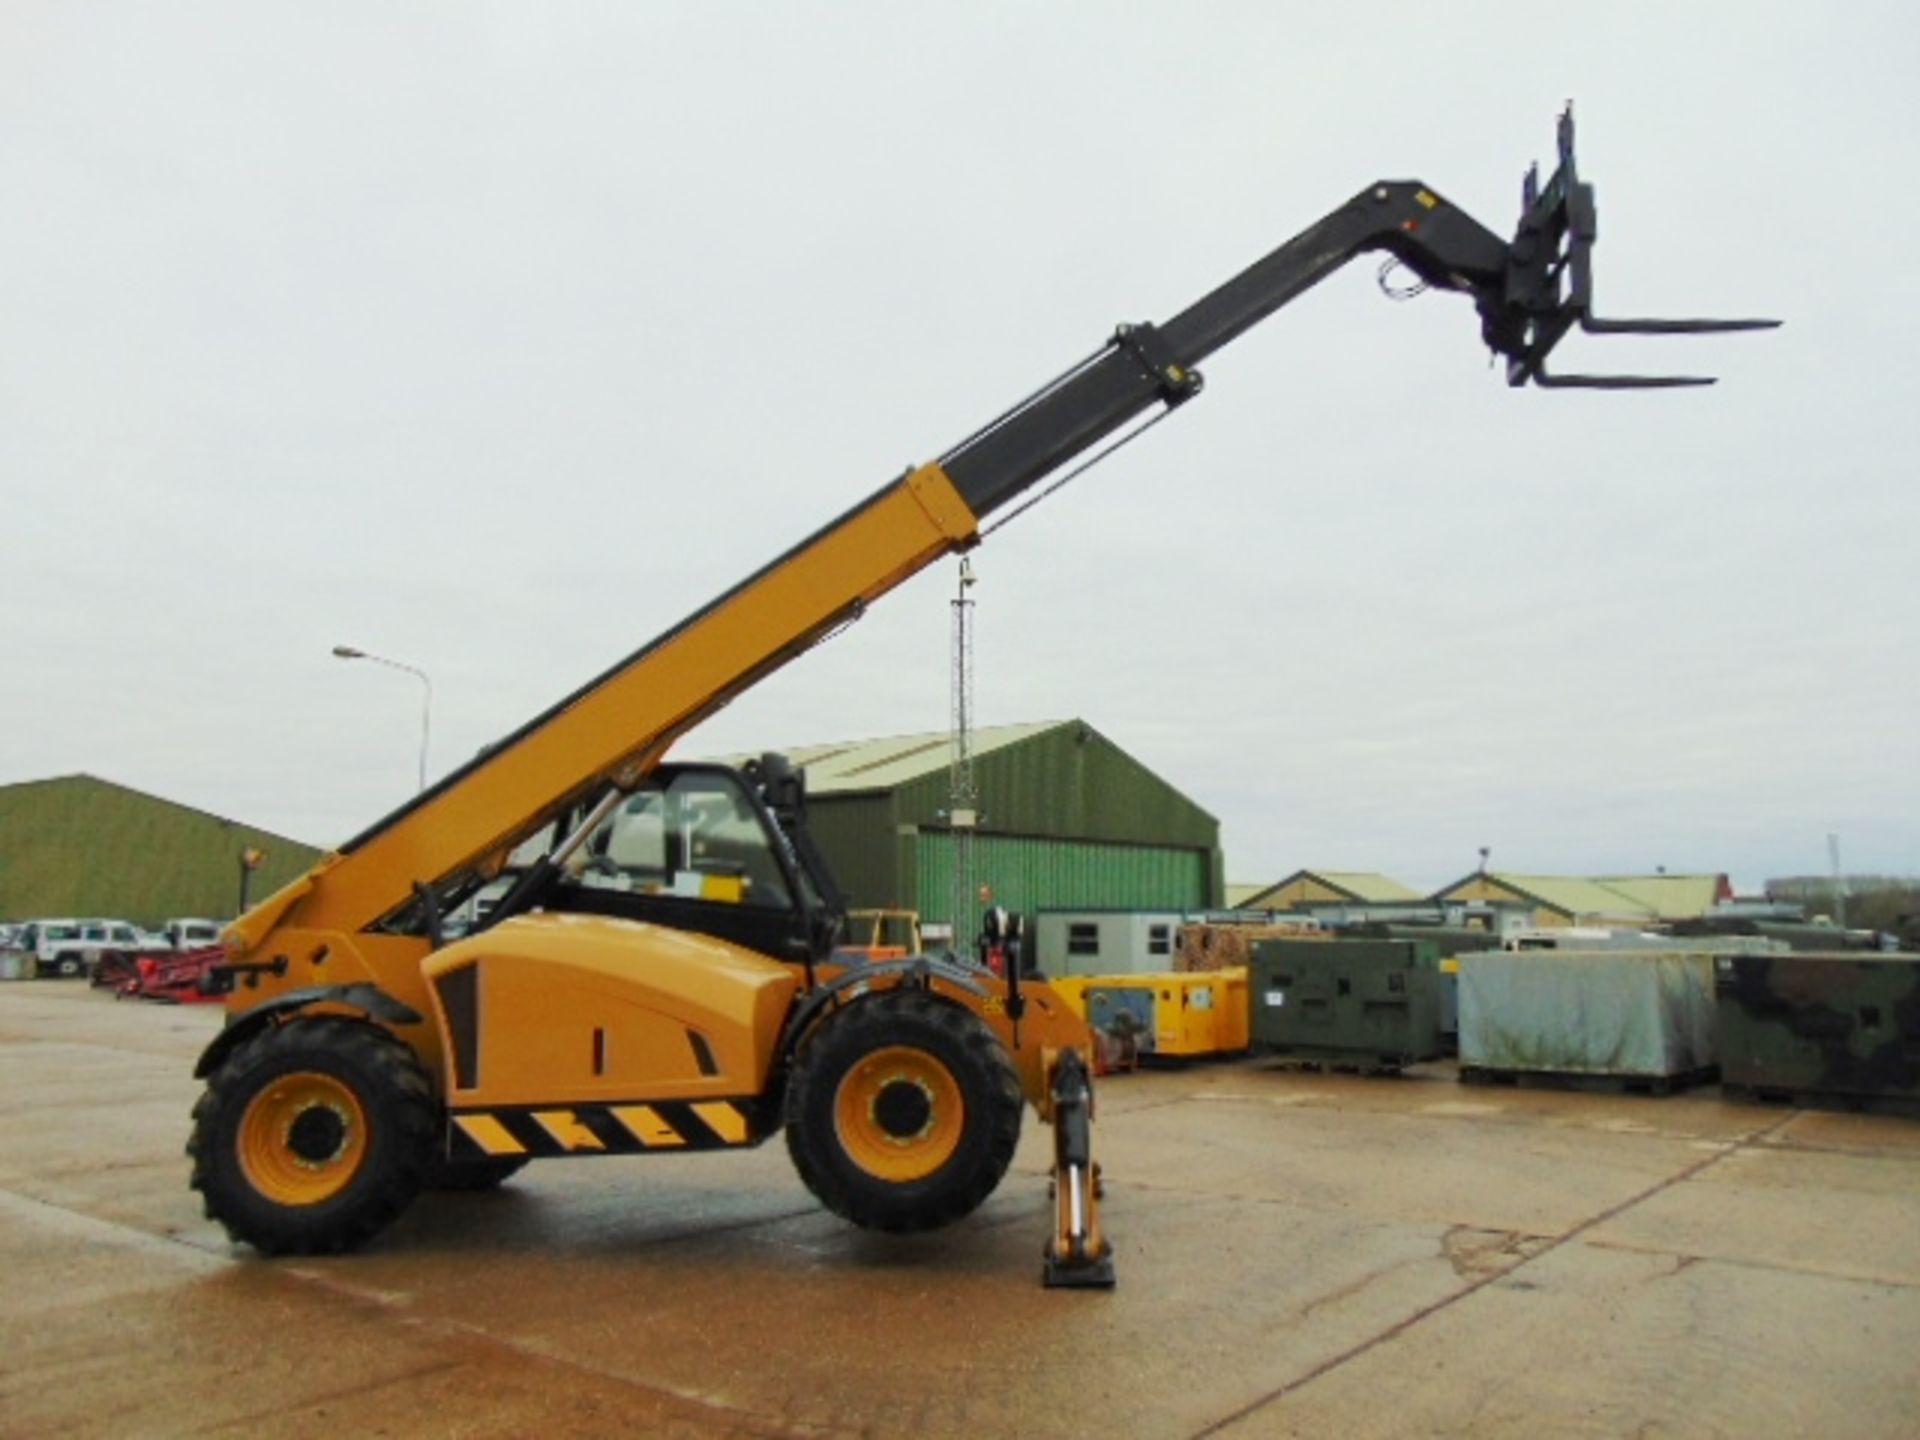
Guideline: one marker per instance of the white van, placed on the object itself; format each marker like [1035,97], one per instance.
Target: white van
[192,932]
[73,947]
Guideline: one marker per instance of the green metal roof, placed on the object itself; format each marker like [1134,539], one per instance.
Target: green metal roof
[1610,897]
[1368,885]
[1671,897]
[1572,895]
[851,766]
[82,846]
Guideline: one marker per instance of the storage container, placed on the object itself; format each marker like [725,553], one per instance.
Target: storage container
[1364,1002]
[1833,1028]
[1642,1015]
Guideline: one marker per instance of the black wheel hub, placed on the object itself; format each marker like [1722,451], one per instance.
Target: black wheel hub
[316,1134]
[902,1109]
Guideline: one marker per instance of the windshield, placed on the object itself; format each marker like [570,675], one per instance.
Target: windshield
[697,837]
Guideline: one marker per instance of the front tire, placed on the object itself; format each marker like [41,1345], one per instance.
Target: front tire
[903,1111]
[313,1136]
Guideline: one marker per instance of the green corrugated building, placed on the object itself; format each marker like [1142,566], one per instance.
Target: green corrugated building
[1066,819]
[82,846]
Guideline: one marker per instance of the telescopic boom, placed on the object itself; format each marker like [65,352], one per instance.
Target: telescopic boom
[1529,292]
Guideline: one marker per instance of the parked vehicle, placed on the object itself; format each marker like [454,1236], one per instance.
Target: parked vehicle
[67,948]
[192,933]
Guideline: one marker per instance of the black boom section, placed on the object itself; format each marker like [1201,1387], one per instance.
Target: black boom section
[1529,292]
[1447,248]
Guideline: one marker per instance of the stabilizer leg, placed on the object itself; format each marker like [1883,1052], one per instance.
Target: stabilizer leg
[1078,1256]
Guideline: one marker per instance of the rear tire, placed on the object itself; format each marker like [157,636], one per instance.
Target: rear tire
[313,1136]
[903,1111]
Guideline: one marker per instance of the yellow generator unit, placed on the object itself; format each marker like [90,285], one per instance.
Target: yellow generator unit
[1173,1015]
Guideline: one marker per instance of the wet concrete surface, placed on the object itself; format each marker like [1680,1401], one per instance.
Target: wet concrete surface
[1299,1254]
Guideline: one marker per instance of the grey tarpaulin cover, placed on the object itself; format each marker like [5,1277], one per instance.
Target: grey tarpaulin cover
[1590,1012]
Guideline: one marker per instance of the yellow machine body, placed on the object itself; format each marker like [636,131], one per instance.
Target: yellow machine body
[595,1009]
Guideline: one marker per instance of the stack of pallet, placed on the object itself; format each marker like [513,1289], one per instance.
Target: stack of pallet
[1225,945]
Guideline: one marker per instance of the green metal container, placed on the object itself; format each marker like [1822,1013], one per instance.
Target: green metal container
[1839,1028]
[1359,1002]
[1448,941]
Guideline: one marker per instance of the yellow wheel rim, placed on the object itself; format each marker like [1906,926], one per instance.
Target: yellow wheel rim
[302,1138]
[899,1114]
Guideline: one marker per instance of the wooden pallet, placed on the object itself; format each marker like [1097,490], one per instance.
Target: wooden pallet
[1593,1083]
[1337,1064]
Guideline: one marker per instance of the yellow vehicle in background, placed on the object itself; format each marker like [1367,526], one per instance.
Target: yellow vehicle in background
[883,934]
[660,976]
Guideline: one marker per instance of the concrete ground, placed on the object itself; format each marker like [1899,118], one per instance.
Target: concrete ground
[1299,1255]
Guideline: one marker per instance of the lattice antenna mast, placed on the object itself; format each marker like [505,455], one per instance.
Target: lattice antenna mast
[962,798]
[1839,881]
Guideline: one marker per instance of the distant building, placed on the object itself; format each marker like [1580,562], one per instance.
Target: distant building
[1066,819]
[81,846]
[1561,900]
[1314,887]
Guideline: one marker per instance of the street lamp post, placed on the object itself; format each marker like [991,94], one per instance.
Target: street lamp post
[347,652]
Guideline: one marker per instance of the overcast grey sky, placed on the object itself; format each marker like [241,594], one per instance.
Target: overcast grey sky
[498,338]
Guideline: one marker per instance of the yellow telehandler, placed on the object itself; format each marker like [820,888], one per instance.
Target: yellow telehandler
[659,972]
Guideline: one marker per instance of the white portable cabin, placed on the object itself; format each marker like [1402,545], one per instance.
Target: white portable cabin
[1106,942]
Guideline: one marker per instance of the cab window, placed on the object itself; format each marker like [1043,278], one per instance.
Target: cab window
[694,838]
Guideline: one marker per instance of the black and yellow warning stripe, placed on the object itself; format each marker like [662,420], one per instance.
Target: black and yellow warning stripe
[620,1128]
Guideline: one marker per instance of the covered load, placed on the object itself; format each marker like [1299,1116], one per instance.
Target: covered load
[1630,1015]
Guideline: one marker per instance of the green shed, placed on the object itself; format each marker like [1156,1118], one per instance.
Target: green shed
[1067,819]
[81,846]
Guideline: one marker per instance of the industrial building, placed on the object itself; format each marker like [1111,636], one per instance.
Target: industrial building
[1327,887]
[82,846]
[1561,900]
[1066,819]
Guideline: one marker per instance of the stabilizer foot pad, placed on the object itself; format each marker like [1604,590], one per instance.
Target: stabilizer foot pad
[1094,1274]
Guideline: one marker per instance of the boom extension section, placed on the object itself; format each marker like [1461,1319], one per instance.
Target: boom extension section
[1528,292]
